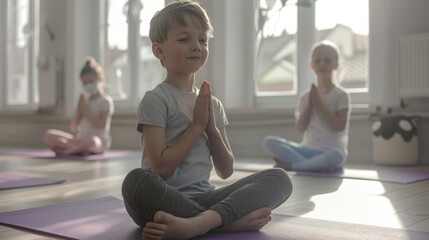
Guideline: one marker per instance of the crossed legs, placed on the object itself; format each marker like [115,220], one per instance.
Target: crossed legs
[163,212]
[66,144]
[290,156]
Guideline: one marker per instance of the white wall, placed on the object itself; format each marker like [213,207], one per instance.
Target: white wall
[390,19]
[75,26]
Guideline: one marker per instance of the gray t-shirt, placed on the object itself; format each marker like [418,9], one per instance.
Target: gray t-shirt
[172,109]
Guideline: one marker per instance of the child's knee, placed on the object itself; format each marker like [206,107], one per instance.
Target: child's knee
[131,181]
[271,140]
[336,157]
[283,177]
[280,178]
[47,136]
[141,182]
[274,145]
[267,142]
[95,145]
[135,176]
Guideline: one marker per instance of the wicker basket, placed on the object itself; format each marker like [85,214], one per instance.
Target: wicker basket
[395,140]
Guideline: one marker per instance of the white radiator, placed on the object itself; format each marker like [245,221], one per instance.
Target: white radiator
[413,69]
[49,70]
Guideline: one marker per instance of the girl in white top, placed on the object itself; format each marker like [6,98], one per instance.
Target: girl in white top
[91,120]
[322,114]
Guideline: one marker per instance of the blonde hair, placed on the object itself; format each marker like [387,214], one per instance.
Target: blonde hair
[91,66]
[329,44]
[175,13]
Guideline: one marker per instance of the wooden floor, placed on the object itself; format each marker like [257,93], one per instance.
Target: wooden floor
[399,206]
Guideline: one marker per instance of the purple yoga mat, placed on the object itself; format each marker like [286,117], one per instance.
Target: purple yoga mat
[402,175]
[11,181]
[394,174]
[48,154]
[103,218]
[298,228]
[106,218]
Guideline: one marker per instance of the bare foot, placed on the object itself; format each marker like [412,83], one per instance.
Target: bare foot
[58,150]
[86,153]
[253,221]
[283,165]
[76,150]
[167,226]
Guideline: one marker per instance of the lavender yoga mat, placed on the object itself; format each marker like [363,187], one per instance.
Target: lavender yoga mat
[11,181]
[403,175]
[48,154]
[298,228]
[103,218]
[385,174]
[106,218]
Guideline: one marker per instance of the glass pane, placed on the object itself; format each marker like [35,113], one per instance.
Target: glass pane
[117,11]
[18,73]
[276,48]
[152,73]
[116,64]
[346,24]
[18,78]
[149,9]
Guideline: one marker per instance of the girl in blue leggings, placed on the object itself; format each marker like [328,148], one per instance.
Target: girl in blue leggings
[322,115]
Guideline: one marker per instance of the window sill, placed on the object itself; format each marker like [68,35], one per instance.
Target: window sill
[269,116]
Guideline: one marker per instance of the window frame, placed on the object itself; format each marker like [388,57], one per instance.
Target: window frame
[33,49]
[104,25]
[306,35]
[133,54]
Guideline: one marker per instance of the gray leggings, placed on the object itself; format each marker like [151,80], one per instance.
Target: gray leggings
[145,193]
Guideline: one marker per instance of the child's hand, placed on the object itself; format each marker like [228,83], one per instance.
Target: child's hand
[83,109]
[74,123]
[81,103]
[211,126]
[73,126]
[202,105]
[315,100]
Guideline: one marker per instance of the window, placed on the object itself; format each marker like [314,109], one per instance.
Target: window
[115,48]
[20,90]
[152,72]
[282,61]
[346,26]
[276,55]
[130,67]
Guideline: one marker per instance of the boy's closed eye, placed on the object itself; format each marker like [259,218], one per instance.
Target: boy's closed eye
[204,40]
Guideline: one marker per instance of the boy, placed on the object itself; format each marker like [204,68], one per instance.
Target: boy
[184,137]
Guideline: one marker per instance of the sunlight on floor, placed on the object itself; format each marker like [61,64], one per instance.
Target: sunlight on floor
[370,174]
[354,202]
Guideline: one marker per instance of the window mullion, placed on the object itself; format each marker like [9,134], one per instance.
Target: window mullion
[9,39]
[32,50]
[103,25]
[4,41]
[306,35]
[134,48]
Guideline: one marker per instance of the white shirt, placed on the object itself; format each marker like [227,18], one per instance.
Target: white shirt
[97,106]
[318,134]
